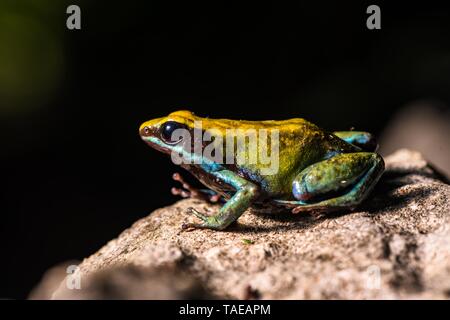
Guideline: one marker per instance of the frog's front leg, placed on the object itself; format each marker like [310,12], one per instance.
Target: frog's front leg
[361,139]
[246,193]
[342,181]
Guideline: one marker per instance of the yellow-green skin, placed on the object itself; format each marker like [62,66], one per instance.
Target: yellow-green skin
[317,170]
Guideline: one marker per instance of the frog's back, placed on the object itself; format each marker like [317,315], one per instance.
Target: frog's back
[300,144]
[285,125]
[187,117]
[297,143]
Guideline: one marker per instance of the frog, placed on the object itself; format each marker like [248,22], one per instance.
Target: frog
[318,171]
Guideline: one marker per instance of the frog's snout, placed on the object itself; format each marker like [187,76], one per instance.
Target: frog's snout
[144,130]
[148,129]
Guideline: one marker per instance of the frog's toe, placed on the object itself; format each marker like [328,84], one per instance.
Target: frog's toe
[192,226]
[198,214]
[208,222]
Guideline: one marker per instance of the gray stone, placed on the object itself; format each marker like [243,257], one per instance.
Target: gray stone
[395,246]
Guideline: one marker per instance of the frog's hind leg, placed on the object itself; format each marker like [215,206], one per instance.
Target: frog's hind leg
[364,140]
[342,181]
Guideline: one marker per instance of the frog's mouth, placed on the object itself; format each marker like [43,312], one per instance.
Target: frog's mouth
[156,144]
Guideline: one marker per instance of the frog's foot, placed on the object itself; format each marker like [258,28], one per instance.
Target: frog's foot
[341,182]
[188,191]
[315,213]
[208,222]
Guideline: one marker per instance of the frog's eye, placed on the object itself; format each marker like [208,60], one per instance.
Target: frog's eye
[167,130]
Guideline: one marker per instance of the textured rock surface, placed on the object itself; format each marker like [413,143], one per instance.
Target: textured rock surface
[396,246]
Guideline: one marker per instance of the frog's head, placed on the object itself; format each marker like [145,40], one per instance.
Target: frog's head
[159,133]
[190,139]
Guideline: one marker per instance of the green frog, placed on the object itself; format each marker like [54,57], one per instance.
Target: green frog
[314,171]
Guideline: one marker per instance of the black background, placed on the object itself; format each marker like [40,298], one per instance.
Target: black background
[75,172]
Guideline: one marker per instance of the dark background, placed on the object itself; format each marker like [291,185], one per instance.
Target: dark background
[74,171]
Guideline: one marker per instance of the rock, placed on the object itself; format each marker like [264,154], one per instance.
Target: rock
[133,282]
[396,246]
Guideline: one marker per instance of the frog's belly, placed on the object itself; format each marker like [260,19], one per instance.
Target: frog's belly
[211,181]
[268,206]
[262,205]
